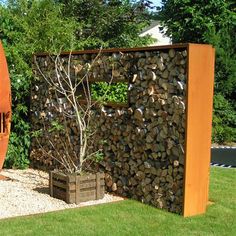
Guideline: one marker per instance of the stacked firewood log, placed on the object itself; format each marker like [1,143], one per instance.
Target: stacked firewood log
[143,143]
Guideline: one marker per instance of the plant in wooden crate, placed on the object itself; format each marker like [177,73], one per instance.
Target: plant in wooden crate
[69,94]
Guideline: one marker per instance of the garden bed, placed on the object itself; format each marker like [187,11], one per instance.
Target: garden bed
[26,192]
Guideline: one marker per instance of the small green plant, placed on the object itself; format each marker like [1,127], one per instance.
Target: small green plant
[98,156]
[36,133]
[56,126]
[117,92]
[17,156]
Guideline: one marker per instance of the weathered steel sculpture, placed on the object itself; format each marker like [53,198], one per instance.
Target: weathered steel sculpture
[5,106]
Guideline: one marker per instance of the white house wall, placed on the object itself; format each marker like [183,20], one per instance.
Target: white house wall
[156,34]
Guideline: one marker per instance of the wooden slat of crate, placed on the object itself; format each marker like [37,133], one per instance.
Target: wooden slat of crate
[51,183]
[72,187]
[59,193]
[90,177]
[62,176]
[68,199]
[91,184]
[87,195]
[59,184]
[87,198]
[77,195]
[83,185]
[59,176]
[71,179]
[98,186]
[71,196]
[87,192]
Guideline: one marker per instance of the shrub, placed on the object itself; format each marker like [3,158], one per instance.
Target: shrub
[224,121]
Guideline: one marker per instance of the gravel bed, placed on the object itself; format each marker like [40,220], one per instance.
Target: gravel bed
[26,192]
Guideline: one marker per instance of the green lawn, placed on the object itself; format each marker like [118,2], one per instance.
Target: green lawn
[133,218]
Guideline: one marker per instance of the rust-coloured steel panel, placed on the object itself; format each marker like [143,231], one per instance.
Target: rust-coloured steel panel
[198,128]
[117,50]
[198,120]
[5,106]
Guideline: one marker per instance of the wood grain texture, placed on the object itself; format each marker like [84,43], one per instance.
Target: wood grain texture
[198,127]
[5,106]
[76,189]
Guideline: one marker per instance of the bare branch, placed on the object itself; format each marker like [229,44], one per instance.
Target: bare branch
[65,86]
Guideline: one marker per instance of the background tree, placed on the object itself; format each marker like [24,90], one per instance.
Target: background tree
[112,23]
[211,22]
[27,27]
[31,26]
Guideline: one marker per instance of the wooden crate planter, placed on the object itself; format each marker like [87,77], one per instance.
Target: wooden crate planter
[75,188]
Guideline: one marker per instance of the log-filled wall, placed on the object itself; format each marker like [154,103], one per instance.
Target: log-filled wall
[145,142]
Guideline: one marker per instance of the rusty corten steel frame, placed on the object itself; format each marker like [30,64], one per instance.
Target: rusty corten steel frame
[200,83]
[5,106]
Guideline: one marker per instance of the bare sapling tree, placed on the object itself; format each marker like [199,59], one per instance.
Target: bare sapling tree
[70,82]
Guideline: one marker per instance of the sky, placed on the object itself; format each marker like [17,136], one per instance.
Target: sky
[156,2]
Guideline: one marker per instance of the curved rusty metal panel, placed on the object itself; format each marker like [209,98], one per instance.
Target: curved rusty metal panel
[5,106]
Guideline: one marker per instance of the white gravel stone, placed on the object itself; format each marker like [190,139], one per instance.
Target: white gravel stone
[27,192]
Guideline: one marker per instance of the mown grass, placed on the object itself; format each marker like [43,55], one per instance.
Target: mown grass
[133,218]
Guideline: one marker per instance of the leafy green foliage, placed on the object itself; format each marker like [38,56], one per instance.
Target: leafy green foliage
[188,20]
[98,157]
[224,120]
[211,22]
[17,156]
[113,93]
[224,42]
[112,23]
[27,27]
[56,126]
[36,133]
